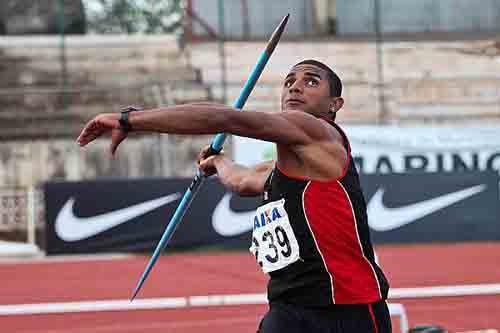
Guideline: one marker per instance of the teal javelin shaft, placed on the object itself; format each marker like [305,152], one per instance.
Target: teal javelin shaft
[215,148]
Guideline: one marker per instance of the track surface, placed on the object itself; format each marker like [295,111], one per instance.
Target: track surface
[72,280]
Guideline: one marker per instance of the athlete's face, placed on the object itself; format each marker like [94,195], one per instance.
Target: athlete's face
[306,88]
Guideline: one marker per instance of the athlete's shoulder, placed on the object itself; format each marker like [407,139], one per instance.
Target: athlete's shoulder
[316,128]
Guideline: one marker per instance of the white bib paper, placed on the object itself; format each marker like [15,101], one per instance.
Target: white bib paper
[274,244]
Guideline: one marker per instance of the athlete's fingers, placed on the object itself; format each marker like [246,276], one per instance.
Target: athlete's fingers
[205,153]
[208,161]
[91,131]
[205,163]
[117,136]
[98,126]
[207,166]
[202,154]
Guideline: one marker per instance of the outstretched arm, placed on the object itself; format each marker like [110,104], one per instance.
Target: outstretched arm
[288,128]
[309,146]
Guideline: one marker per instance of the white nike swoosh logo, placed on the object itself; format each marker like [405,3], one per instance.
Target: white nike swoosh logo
[227,222]
[382,218]
[72,228]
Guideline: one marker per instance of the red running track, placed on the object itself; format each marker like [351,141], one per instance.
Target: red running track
[45,281]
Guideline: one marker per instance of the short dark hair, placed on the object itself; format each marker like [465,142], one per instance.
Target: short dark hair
[333,78]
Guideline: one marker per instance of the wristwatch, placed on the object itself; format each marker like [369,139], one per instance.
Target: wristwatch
[124,121]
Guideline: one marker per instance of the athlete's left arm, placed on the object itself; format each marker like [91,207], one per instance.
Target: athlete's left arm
[291,128]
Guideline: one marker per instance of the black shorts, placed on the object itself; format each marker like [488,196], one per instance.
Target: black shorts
[356,318]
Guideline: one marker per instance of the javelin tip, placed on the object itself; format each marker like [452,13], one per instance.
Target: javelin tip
[275,37]
[136,291]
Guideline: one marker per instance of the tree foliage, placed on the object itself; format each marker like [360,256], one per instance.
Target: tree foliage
[134,16]
[42,17]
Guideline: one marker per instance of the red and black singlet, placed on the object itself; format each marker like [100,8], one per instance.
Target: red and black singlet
[336,262]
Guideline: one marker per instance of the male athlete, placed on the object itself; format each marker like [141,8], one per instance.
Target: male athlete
[310,233]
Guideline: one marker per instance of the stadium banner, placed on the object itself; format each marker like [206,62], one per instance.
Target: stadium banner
[392,149]
[433,207]
[131,215]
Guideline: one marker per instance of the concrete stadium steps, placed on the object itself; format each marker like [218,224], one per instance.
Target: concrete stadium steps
[356,61]
[47,100]
[102,73]
[27,125]
[97,59]
[32,162]
[98,74]
[51,113]
[436,81]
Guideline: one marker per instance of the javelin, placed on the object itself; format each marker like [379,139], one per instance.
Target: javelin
[215,148]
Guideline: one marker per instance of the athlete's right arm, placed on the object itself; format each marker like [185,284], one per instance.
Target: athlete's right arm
[237,178]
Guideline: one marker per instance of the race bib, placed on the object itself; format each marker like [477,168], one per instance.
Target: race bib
[274,244]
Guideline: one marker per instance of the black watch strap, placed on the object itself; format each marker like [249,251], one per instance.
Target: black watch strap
[124,118]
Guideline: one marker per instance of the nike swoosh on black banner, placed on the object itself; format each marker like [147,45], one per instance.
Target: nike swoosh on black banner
[226,222]
[72,228]
[382,218]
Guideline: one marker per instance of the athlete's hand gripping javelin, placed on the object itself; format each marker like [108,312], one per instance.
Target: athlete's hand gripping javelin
[206,161]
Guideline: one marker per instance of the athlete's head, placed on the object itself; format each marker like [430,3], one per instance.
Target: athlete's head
[312,87]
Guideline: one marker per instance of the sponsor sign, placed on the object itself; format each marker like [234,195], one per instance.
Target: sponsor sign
[131,215]
[432,207]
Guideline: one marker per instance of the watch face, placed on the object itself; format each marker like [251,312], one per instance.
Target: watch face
[130,108]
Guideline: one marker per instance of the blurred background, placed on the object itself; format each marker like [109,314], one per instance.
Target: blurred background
[421,85]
